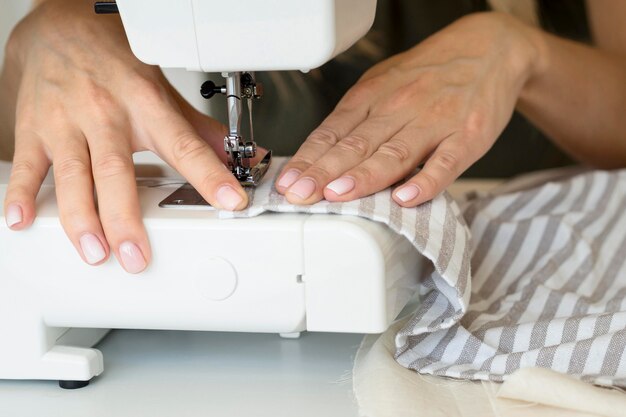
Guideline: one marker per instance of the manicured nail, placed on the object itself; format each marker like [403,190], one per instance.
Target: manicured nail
[92,248]
[13,215]
[228,198]
[132,258]
[341,185]
[289,178]
[303,189]
[407,193]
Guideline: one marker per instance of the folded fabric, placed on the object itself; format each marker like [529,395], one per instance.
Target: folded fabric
[549,388]
[384,389]
[548,283]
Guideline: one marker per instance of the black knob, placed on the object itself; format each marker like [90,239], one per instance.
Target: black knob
[105,7]
[209,89]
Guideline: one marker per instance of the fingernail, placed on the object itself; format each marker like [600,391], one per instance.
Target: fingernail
[13,215]
[289,178]
[407,193]
[92,248]
[132,258]
[228,198]
[303,188]
[341,185]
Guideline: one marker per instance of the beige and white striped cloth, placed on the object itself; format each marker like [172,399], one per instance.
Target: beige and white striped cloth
[548,281]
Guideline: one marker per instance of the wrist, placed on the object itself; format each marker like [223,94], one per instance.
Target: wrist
[519,47]
[533,41]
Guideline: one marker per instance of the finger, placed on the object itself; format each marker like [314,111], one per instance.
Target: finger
[351,111]
[209,129]
[174,139]
[441,169]
[391,162]
[75,198]
[350,151]
[213,133]
[118,201]
[30,166]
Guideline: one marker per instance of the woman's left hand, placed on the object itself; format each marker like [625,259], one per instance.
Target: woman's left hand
[442,103]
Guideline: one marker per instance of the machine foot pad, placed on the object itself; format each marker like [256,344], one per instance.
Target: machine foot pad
[73,384]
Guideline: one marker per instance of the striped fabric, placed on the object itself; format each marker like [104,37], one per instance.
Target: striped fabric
[548,281]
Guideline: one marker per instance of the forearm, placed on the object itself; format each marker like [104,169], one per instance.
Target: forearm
[577,96]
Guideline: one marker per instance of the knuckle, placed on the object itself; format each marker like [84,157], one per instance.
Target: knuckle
[187,146]
[77,218]
[25,120]
[117,221]
[318,172]
[364,175]
[398,101]
[102,105]
[356,145]
[407,96]
[20,193]
[389,106]
[149,90]
[111,165]
[72,217]
[213,178]
[324,137]
[447,161]
[425,79]
[97,95]
[395,150]
[69,168]
[299,161]
[475,124]
[362,92]
[429,184]
[372,84]
[23,169]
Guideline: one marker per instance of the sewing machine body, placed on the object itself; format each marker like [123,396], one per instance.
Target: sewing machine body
[277,273]
[306,272]
[243,35]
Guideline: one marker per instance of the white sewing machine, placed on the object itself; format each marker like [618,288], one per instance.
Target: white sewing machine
[282,273]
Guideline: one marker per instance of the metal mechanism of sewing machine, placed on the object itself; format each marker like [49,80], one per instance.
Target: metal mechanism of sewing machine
[241,86]
[328,273]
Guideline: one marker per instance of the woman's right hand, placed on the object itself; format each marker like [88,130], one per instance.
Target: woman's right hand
[84,104]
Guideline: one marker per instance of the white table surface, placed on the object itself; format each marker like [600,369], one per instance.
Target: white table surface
[180,374]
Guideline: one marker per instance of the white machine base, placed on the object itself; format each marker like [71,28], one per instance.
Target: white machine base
[300,272]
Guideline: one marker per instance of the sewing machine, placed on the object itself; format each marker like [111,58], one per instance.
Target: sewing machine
[237,38]
[276,273]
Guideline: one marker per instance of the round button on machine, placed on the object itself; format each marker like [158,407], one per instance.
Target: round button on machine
[216,278]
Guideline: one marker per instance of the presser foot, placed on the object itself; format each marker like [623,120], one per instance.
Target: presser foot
[251,177]
[186,197]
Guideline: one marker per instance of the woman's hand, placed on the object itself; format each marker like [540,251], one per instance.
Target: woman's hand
[442,103]
[84,104]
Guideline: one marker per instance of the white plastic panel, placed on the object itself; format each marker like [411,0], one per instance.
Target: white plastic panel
[282,34]
[358,274]
[181,290]
[353,19]
[244,35]
[161,32]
